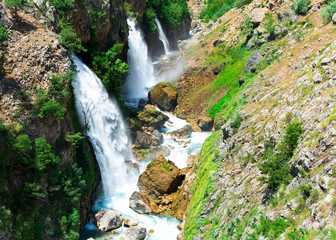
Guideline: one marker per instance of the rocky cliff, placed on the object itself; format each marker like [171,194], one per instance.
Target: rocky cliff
[267,172]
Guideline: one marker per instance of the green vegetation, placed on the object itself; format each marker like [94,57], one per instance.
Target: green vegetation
[328,11]
[69,38]
[62,6]
[15,4]
[202,188]
[110,68]
[171,12]
[3,37]
[49,102]
[3,33]
[301,6]
[216,8]
[276,158]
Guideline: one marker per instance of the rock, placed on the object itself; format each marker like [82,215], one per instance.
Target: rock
[142,103]
[143,204]
[333,19]
[130,222]
[183,133]
[143,140]
[135,233]
[317,78]
[287,16]
[325,61]
[161,177]
[257,15]
[205,123]
[107,220]
[152,153]
[156,138]
[218,69]
[152,118]
[253,61]
[164,95]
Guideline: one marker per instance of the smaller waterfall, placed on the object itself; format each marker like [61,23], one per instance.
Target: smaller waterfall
[141,71]
[162,36]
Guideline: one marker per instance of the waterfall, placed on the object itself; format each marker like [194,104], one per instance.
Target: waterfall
[141,72]
[105,128]
[162,36]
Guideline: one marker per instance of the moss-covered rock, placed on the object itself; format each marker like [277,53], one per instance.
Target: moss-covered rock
[164,95]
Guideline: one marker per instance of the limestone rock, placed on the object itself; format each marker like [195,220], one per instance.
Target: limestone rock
[161,177]
[252,61]
[183,133]
[107,220]
[164,95]
[135,233]
[205,123]
[130,222]
[142,203]
[257,15]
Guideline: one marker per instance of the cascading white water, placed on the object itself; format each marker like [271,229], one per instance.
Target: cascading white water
[162,37]
[141,72]
[106,129]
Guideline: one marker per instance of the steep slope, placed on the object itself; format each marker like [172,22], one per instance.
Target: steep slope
[270,163]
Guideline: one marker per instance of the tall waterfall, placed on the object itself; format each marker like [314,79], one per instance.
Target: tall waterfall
[162,36]
[141,72]
[106,129]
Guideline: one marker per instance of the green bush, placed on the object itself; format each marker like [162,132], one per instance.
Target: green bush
[109,68]
[328,12]
[301,7]
[62,6]
[3,33]
[171,12]
[276,164]
[69,38]
[15,4]
[52,108]
[44,154]
[271,229]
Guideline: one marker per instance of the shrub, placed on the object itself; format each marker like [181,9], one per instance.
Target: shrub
[52,108]
[328,12]
[15,4]
[62,6]
[301,7]
[69,38]
[3,33]
[276,164]
[44,154]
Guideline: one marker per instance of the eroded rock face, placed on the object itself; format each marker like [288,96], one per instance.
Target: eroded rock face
[107,220]
[164,96]
[183,133]
[142,203]
[110,28]
[205,123]
[161,177]
[135,233]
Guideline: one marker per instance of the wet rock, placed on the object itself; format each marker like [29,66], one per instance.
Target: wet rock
[156,138]
[135,233]
[107,220]
[142,103]
[183,133]
[142,203]
[152,118]
[257,15]
[164,95]
[152,153]
[130,222]
[143,140]
[161,177]
[205,123]
[253,61]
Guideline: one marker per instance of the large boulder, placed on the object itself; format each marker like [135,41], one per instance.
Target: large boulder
[257,15]
[107,220]
[145,140]
[183,133]
[161,177]
[164,95]
[143,204]
[152,118]
[253,61]
[135,233]
[205,123]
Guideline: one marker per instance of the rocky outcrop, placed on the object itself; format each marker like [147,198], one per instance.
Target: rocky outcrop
[143,204]
[137,6]
[107,220]
[135,233]
[176,33]
[161,177]
[205,123]
[183,133]
[164,96]
[107,18]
